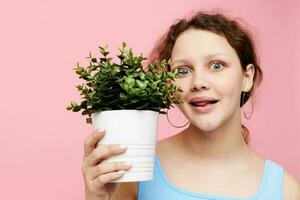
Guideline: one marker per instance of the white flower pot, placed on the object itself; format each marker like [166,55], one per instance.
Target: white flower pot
[138,130]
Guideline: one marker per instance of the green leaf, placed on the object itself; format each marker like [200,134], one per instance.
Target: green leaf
[129,81]
[80,87]
[170,74]
[157,76]
[125,86]
[158,93]
[76,108]
[73,104]
[123,96]
[137,91]
[141,84]
[130,54]
[119,80]
[142,75]
[91,94]
[115,70]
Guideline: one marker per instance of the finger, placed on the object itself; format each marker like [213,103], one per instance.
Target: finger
[104,168]
[100,181]
[91,141]
[100,154]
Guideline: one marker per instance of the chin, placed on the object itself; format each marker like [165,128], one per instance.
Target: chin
[205,126]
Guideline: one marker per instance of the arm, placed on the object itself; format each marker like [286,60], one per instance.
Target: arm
[126,191]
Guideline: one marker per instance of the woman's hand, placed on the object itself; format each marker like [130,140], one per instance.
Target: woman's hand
[97,175]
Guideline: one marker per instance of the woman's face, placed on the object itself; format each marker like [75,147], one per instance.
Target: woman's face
[207,62]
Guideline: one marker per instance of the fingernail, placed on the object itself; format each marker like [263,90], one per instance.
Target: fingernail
[128,164]
[121,172]
[100,130]
[123,146]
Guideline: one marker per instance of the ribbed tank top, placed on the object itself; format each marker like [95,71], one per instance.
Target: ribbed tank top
[160,188]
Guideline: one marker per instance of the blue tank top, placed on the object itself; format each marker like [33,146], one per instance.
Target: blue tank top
[160,188]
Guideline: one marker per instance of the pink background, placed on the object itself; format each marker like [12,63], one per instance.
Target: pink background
[40,42]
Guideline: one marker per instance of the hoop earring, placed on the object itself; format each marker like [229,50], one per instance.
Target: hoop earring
[173,124]
[243,103]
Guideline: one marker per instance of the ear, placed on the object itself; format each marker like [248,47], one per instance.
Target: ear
[248,76]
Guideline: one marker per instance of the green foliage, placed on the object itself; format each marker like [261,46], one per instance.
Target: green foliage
[112,86]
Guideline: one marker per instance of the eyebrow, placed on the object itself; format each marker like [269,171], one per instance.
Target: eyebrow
[206,57]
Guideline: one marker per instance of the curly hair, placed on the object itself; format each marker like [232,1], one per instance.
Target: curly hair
[238,36]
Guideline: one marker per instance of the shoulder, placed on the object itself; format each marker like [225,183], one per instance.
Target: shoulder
[291,187]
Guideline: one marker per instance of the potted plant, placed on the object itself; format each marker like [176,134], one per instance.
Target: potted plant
[125,100]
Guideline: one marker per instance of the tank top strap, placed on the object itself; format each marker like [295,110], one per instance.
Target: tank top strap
[274,186]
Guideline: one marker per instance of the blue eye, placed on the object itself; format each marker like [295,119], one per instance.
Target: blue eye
[182,69]
[217,66]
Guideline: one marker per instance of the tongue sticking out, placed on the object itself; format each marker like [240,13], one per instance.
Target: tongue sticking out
[203,103]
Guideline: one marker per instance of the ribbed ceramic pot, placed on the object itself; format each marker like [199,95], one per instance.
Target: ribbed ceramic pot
[138,130]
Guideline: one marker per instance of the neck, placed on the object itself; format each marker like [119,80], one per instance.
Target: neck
[224,143]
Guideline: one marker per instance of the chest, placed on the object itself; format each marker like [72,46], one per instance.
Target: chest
[212,180]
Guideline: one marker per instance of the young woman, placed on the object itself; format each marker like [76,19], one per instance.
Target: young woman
[211,158]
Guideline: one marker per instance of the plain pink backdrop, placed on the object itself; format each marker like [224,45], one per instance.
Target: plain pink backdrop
[40,43]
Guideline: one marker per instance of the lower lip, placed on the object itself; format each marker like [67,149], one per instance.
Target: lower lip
[204,109]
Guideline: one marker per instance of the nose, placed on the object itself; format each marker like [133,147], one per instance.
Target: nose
[199,82]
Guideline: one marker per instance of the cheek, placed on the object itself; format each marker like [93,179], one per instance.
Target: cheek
[230,92]
[230,84]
